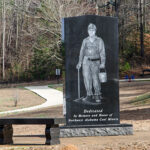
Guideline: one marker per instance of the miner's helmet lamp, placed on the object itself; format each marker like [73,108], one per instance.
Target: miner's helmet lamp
[91,26]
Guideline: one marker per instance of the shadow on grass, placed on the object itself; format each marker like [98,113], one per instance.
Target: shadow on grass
[139,114]
[44,113]
[130,94]
[139,101]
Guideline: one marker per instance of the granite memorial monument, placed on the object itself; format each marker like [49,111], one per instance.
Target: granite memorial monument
[92,79]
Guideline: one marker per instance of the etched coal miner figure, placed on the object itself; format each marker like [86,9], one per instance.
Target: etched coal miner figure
[92,59]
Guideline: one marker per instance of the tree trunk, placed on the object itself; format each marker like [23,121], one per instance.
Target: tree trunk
[4,36]
[117,4]
[17,26]
[141,29]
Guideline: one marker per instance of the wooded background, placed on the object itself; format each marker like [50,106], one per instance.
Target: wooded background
[30,35]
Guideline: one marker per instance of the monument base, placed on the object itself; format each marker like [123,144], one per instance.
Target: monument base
[101,130]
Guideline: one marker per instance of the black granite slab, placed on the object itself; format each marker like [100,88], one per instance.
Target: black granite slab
[79,112]
[96,126]
[6,134]
[49,121]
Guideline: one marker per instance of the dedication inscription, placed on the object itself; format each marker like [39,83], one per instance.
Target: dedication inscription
[91,82]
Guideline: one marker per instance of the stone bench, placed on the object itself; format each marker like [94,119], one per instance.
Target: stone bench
[52,130]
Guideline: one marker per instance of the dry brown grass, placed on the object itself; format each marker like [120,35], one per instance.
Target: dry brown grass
[24,98]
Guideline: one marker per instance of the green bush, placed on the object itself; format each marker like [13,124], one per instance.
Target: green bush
[125,67]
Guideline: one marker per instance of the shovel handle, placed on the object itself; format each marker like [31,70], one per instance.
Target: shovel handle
[78,83]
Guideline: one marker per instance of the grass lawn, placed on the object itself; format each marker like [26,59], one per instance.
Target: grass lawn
[141,100]
[58,87]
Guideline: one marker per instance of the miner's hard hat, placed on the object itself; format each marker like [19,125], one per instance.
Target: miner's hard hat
[91,26]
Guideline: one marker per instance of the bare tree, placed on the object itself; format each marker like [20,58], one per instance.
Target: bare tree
[31,30]
[4,35]
[51,12]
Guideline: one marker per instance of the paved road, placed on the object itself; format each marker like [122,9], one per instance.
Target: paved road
[53,97]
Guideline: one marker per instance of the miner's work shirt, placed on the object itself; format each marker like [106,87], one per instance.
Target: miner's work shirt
[93,50]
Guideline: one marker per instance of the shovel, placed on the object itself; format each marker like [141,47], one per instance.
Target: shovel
[78,83]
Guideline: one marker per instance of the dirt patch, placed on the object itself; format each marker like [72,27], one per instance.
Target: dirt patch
[22,98]
[138,116]
[49,112]
[138,141]
[129,91]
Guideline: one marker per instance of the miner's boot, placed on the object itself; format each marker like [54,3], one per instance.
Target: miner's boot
[87,98]
[98,98]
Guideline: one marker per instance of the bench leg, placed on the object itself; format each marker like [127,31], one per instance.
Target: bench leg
[52,133]
[6,134]
[143,73]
